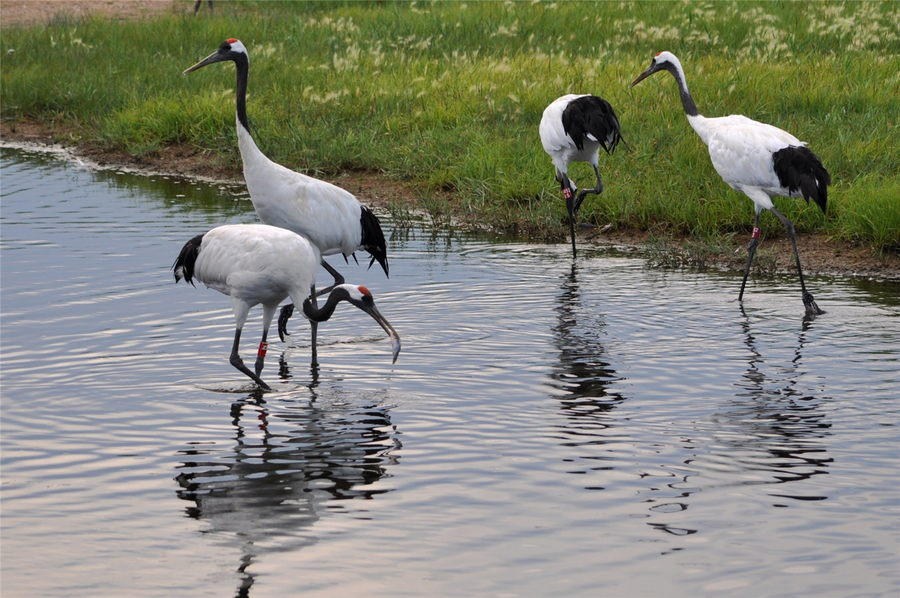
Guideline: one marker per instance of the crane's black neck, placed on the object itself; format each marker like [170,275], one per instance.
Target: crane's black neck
[326,311]
[687,101]
[242,64]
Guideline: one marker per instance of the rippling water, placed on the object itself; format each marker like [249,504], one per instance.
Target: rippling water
[549,428]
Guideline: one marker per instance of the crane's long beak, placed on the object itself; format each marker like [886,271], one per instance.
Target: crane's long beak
[382,321]
[211,59]
[640,78]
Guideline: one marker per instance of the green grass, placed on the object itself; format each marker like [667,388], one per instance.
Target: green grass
[448,96]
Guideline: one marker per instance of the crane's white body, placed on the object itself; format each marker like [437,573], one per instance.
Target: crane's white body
[559,146]
[256,264]
[741,151]
[323,213]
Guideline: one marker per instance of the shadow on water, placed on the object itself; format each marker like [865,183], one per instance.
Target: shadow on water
[286,467]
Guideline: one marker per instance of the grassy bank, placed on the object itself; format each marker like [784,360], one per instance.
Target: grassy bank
[449,95]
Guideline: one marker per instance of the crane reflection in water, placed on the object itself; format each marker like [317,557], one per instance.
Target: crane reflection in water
[584,374]
[771,431]
[288,463]
[778,413]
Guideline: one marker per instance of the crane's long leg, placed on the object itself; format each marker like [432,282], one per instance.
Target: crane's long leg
[808,302]
[568,190]
[261,353]
[751,250]
[596,190]
[338,279]
[573,203]
[314,326]
[570,208]
[237,362]
[268,312]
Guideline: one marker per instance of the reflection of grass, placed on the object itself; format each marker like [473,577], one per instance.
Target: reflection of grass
[695,253]
[448,95]
[765,262]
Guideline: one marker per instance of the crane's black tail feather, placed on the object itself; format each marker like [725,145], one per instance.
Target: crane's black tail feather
[373,239]
[799,169]
[591,115]
[184,264]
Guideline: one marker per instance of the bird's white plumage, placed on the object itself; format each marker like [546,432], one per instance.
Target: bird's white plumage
[740,148]
[559,146]
[257,263]
[741,151]
[324,213]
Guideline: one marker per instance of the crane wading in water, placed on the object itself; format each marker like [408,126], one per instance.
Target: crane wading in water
[573,129]
[759,160]
[330,217]
[257,263]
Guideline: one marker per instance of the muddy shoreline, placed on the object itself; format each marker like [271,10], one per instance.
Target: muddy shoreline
[819,254]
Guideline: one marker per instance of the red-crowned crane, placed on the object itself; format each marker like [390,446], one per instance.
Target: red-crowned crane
[257,263]
[573,129]
[330,217]
[759,160]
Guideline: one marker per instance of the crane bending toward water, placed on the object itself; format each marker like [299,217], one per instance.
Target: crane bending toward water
[759,160]
[573,129]
[330,217]
[257,263]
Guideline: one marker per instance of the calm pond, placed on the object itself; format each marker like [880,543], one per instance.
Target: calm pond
[549,429]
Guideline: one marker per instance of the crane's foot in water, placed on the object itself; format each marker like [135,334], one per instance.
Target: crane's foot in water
[811,308]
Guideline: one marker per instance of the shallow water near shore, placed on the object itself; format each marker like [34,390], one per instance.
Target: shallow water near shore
[550,428]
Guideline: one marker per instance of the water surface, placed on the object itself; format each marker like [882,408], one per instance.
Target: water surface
[550,428]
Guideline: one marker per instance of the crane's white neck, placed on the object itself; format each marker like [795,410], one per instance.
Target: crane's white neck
[701,126]
[256,163]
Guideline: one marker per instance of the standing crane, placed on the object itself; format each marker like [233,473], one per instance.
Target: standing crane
[759,160]
[257,263]
[197,4]
[573,129]
[330,217]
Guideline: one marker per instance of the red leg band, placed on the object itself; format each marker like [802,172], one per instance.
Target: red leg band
[263,347]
